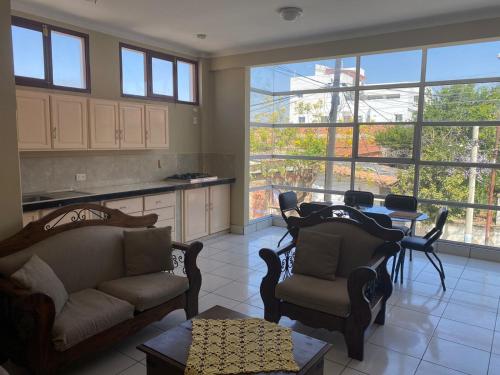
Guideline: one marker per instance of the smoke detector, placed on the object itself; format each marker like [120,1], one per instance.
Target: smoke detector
[201,36]
[290,13]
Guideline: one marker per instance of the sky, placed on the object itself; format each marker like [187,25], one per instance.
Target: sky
[443,63]
[68,68]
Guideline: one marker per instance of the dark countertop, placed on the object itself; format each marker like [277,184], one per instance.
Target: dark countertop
[122,191]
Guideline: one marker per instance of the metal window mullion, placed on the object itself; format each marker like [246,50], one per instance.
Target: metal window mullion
[461,81]
[316,125]
[478,206]
[355,130]
[458,164]
[417,133]
[462,123]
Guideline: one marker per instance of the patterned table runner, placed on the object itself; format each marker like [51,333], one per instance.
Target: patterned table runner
[234,346]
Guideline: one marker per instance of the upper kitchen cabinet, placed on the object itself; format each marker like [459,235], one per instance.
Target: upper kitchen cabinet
[104,124]
[69,122]
[132,132]
[33,120]
[157,135]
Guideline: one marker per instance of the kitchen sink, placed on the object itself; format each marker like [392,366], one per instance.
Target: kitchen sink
[29,198]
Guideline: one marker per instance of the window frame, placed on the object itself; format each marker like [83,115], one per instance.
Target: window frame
[150,95]
[46,30]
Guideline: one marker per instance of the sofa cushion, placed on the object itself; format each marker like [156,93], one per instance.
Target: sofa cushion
[146,291]
[358,246]
[148,251]
[86,314]
[330,297]
[38,277]
[317,254]
[82,258]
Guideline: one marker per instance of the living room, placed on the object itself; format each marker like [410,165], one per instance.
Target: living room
[239,136]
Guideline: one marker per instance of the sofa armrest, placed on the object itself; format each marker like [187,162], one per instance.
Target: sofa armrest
[26,321]
[193,274]
[356,284]
[271,279]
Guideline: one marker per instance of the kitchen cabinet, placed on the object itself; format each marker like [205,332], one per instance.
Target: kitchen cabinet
[157,135]
[219,208]
[69,122]
[195,213]
[128,205]
[205,211]
[132,132]
[104,126]
[33,120]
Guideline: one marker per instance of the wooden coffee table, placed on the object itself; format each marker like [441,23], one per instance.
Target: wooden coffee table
[168,352]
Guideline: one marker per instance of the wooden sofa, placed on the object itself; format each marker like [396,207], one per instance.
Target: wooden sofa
[358,295]
[85,253]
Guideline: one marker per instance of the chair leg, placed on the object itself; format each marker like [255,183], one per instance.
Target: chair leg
[440,264]
[282,238]
[411,256]
[403,256]
[394,261]
[440,270]
[399,266]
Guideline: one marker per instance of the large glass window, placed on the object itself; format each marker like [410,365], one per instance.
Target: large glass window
[48,56]
[424,122]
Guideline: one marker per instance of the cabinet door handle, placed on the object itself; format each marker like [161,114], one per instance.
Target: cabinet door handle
[54,133]
[117,134]
[147,134]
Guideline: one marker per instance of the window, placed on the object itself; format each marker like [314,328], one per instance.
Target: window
[156,75]
[49,56]
[423,122]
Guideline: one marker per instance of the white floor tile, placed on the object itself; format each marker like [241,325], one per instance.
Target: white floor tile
[476,337]
[494,367]
[412,320]
[400,340]
[478,288]
[237,291]
[378,361]
[457,357]
[137,369]
[211,300]
[210,282]
[109,362]
[470,315]
[427,305]
[477,300]
[249,310]
[428,368]
[496,343]
[332,368]
[129,345]
[231,272]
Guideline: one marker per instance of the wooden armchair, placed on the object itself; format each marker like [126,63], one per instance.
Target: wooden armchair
[358,295]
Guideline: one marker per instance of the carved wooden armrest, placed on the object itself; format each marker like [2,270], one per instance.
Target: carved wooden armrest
[356,283]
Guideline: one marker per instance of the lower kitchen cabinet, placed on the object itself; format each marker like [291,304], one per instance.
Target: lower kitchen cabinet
[205,211]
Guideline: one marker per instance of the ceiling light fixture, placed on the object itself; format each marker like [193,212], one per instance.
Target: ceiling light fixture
[290,13]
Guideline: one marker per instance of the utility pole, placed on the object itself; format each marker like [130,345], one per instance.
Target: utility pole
[332,118]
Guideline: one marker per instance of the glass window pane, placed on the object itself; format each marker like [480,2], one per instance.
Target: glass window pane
[261,141]
[459,184]
[262,108]
[383,179]
[162,77]
[68,60]
[133,72]
[262,78]
[465,61]
[388,105]
[186,85]
[259,203]
[388,141]
[393,67]
[261,172]
[28,53]
[464,102]
[331,107]
[461,143]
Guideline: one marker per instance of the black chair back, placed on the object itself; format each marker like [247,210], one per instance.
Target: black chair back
[435,233]
[288,202]
[308,208]
[401,202]
[358,198]
[382,219]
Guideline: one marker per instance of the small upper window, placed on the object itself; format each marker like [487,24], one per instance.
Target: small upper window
[186,81]
[133,72]
[48,56]
[162,77]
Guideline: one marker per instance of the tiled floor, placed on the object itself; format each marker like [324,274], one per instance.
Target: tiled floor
[427,331]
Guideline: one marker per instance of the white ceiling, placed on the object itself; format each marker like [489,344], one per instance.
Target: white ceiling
[235,26]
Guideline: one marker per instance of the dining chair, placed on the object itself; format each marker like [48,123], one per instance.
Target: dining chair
[288,205]
[404,203]
[384,221]
[358,198]
[425,244]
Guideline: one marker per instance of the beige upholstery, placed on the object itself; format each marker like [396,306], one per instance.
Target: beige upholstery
[330,297]
[148,251]
[38,277]
[82,258]
[87,313]
[146,291]
[358,246]
[317,254]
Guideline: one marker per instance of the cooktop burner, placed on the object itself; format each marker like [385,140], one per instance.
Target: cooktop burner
[193,177]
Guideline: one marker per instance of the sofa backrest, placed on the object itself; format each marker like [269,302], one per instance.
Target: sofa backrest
[358,245]
[82,257]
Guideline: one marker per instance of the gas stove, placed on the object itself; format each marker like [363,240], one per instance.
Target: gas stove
[192,177]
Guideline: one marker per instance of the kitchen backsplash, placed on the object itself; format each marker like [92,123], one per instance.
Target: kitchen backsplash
[58,172]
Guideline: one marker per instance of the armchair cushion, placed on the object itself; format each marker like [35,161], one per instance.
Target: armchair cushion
[87,313]
[317,254]
[38,277]
[146,291]
[148,251]
[327,296]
